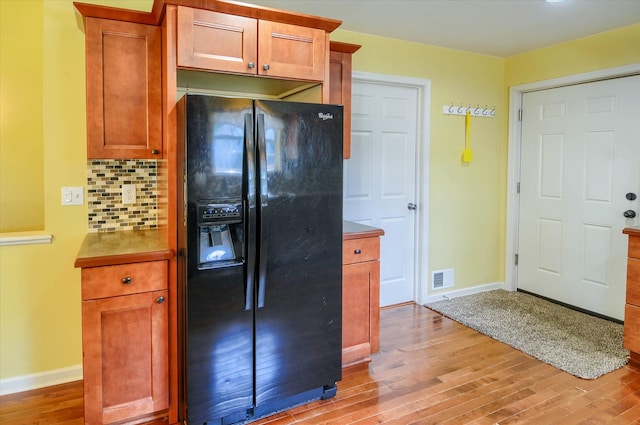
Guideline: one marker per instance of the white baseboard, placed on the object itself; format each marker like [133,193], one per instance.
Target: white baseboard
[40,380]
[465,291]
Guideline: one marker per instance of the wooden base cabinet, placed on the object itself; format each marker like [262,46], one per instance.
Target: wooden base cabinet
[360,299]
[632,307]
[125,342]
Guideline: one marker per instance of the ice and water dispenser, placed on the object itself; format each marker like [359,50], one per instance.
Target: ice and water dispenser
[220,227]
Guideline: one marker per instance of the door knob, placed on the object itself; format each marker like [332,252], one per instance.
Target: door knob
[411,206]
[630,196]
[629,213]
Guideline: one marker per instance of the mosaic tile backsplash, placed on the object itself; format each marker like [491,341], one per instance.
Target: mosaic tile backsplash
[107,213]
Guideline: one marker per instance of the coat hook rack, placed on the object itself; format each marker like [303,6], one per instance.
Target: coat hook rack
[476,111]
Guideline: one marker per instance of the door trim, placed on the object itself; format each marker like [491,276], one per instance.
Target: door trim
[421,247]
[513,161]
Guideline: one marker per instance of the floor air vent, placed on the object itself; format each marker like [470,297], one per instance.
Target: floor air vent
[442,279]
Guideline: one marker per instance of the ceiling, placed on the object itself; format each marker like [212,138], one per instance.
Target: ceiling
[492,27]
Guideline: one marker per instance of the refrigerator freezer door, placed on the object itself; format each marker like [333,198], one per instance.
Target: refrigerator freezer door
[219,314]
[298,324]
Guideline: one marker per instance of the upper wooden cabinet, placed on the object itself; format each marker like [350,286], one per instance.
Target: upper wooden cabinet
[340,85]
[124,89]
[221,42]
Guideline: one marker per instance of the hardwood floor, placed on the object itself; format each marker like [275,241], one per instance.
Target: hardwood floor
[431,370]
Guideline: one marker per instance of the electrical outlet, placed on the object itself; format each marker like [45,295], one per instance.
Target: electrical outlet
[72,196]
[128,194]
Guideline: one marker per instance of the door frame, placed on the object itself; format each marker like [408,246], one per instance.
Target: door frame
[514,142]
[421,243]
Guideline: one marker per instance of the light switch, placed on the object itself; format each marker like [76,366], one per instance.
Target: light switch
[72,195]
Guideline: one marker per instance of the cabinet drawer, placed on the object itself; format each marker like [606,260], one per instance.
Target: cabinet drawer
[631,339]
[123,279]
[633,281]
[360,250]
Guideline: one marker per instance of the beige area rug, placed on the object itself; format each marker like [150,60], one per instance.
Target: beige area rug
[580,344]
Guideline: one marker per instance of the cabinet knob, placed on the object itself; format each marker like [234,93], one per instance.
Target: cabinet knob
[265,66]
[629,214]
[126,280]
[160,300]
[357,251]
[155,151]
[251,65]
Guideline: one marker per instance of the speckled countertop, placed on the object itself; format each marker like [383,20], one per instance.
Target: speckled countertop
[351,230]
[130,246]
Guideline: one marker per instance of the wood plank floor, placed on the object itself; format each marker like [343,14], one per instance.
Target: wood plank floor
[431,370]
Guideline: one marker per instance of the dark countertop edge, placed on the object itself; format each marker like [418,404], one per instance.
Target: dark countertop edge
[351,230]
[114,260]
[635,231]
[130,246]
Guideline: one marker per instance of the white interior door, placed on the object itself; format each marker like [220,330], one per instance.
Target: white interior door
[580,157]
[380,179]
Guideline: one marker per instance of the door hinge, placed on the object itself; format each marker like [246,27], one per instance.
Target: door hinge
[519,114]
[518,187]
[516,259]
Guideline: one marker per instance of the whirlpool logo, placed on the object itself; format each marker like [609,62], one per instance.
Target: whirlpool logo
[325,117]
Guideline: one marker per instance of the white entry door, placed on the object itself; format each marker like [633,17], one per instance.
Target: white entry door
[580,165]
[380,179]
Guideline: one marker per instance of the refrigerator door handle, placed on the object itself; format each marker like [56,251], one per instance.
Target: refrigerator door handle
[263,204]
[249,144]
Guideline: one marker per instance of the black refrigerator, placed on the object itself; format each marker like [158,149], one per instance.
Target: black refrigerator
[262,287]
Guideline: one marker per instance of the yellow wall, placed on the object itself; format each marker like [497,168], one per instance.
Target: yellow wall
[605,50]
[21,155]
[40,322]
[465,223]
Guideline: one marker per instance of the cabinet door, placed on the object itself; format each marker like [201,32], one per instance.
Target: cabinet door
[631,340]
[340,92]
[360,312]
[291,51]
[633,281]
[124,89]
[125,356]
[216,41]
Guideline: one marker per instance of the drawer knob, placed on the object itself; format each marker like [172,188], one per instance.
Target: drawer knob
[126,280]
[160,300]
[357,251]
